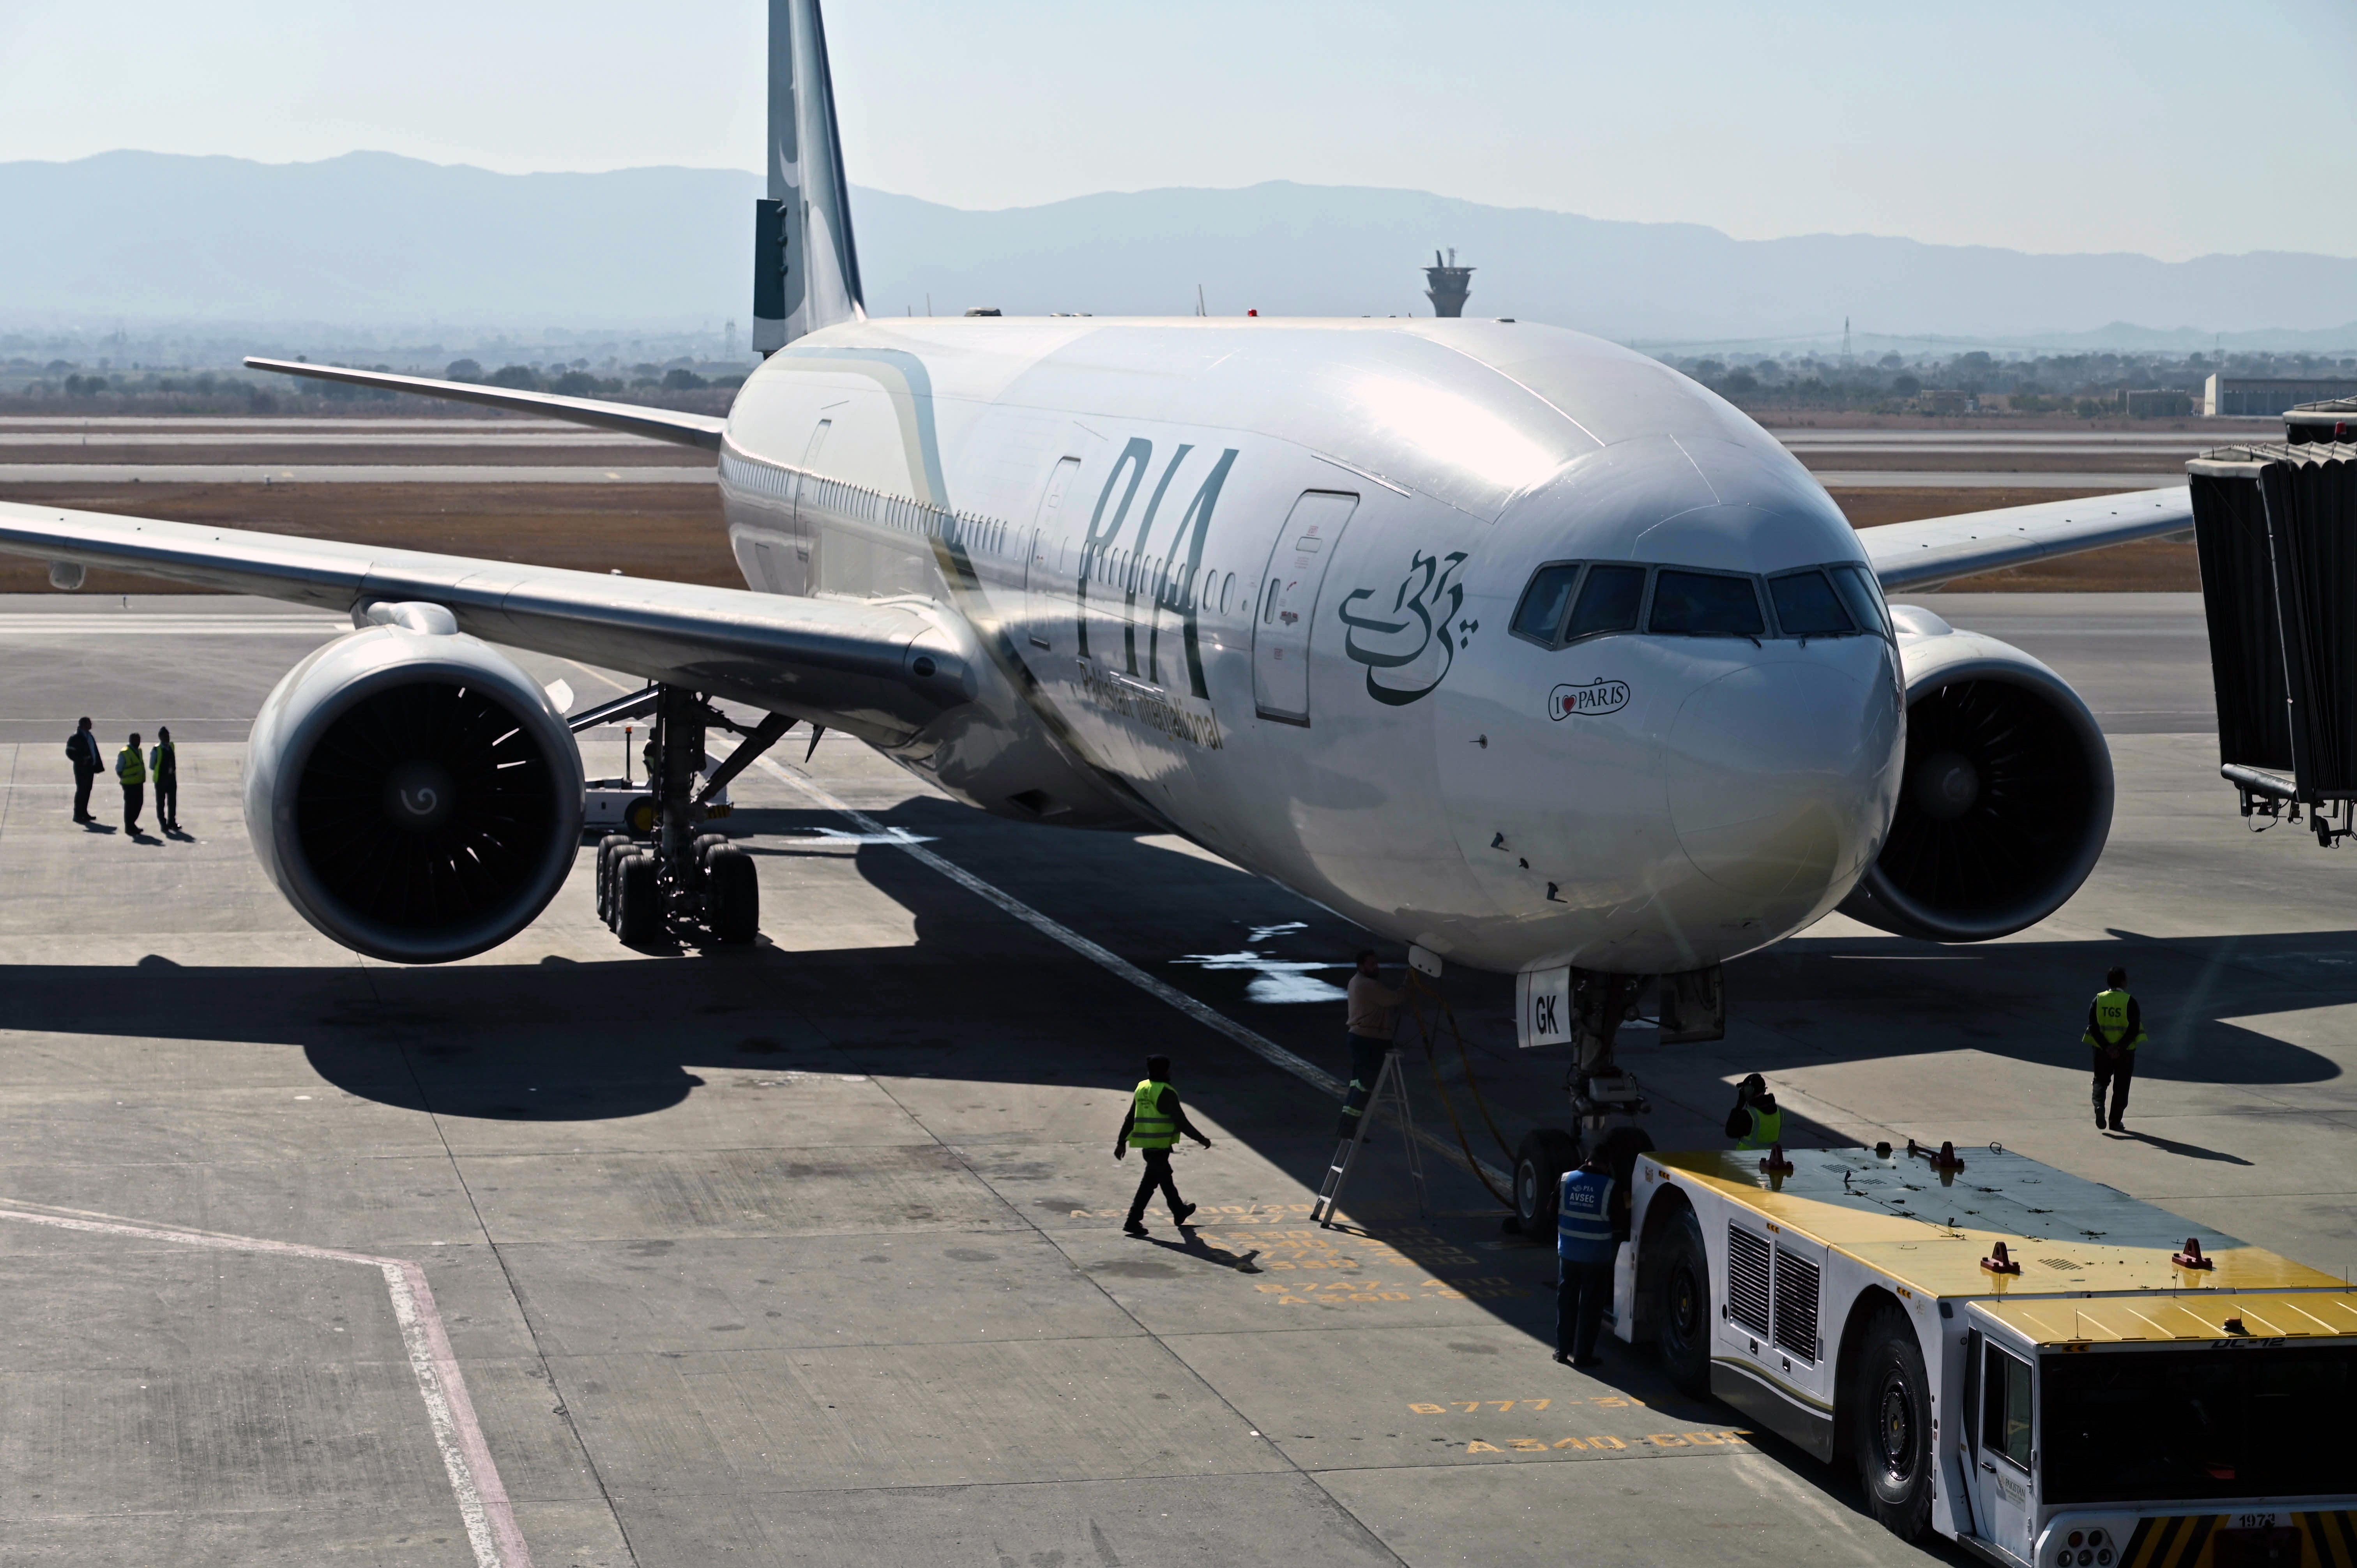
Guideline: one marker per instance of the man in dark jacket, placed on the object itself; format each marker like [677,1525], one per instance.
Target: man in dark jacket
[164,772]
[1154,1124]
[81,748]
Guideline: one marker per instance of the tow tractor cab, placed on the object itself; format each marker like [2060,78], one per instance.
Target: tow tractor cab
[2043,1368]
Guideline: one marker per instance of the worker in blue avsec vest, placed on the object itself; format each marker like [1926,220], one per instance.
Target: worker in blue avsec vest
[1591,1215]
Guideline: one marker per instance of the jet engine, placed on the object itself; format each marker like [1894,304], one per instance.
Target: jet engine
[412,792]
[2007,797]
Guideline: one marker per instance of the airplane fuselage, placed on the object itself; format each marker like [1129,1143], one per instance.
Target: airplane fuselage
[1257,583]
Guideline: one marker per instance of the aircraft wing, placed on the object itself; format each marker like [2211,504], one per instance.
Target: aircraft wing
[880,672]
[661,423]
[1936,550]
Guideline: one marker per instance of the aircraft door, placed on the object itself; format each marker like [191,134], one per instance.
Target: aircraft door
[1040,599]
[2005,1455]
[811,455]
[1286,609]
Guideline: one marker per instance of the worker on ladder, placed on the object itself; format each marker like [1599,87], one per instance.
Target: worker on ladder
[1591,1217]
[1754,1122]
[1373,1010]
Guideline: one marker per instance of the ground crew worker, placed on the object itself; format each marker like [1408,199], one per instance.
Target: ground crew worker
[2114,1029]
[1154,1121]
[1754,1122]
[1375,1019]
[131,774]
[81,748]
[164,767]
[1591,1215]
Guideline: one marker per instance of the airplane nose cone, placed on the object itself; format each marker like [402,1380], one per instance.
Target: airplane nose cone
[1777,779]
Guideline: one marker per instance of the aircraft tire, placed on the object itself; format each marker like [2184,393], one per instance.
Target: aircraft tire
[607,848]
[638,900]
[700,852]
[1681,1305]
[1892,1436]
[1545,1154]
[734,890]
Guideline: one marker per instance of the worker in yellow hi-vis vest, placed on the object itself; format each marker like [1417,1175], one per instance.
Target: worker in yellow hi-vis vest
[1756,1122]
[2114,1029]
[131,772]
[1152,1126]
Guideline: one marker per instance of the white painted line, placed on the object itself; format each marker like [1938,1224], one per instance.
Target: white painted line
[483,1504]
[1261,1045]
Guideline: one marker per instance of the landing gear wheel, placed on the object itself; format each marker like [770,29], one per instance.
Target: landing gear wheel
[1539,1165]
[1893,1431]
[609,847]
[699,853]
[637,901]
[735,896]
[1682,1305]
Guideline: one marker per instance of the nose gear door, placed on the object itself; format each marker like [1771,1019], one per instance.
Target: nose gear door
[1286,606]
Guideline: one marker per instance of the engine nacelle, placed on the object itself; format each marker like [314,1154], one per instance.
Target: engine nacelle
[2006,800]
[413,793]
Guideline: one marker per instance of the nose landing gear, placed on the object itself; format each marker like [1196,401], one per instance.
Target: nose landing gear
[681,881]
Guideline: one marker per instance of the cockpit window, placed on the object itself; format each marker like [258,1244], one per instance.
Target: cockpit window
[1862,595]
[1696,604]
[1608,602]
[1544,602]
[1807,606]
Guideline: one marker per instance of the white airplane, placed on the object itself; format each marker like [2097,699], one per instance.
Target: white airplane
[1502,642]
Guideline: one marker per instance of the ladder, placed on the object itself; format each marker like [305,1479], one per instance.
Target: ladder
[1390,1086]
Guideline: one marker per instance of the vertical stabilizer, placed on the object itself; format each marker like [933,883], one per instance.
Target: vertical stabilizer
[805,269]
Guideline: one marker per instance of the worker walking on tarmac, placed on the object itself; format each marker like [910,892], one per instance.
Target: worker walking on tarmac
[2114,1029]
[131,772]
[1754,1122]
[1374,1020]
[1590,1216]
[1152,1126]
[164,767]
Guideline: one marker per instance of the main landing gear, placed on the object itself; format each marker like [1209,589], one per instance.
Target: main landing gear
[681,883]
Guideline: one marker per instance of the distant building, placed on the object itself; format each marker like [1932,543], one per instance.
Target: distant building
[2155,402]
[2225,396]
[1450,285]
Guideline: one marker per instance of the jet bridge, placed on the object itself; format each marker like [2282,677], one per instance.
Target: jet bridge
[2276,528]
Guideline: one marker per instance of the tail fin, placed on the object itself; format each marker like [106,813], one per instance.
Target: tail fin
[805,268]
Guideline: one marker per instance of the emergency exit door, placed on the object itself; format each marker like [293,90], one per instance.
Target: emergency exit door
[1285,613]
[1039,599]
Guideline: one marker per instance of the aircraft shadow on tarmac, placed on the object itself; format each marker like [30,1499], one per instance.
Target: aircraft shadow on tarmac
[978,997]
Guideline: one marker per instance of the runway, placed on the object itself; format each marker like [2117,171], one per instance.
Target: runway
[808,1254]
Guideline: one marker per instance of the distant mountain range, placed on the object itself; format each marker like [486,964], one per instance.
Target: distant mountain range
[373,240]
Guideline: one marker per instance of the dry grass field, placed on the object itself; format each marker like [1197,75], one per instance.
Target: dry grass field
[675,530]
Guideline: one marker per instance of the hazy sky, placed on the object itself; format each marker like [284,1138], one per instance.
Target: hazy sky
[2174,129]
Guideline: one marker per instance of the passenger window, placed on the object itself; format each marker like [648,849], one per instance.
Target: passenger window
[1608,602]
[2004,1407]
[1805,606]
[1544,602]
[1694,604]
[1862,595]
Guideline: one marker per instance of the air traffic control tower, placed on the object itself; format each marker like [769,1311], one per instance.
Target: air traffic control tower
[1450,285]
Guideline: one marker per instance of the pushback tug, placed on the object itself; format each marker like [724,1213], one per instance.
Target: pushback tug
[2038,1367]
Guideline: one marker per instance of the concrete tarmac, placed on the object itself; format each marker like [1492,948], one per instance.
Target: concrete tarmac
[809,1253]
